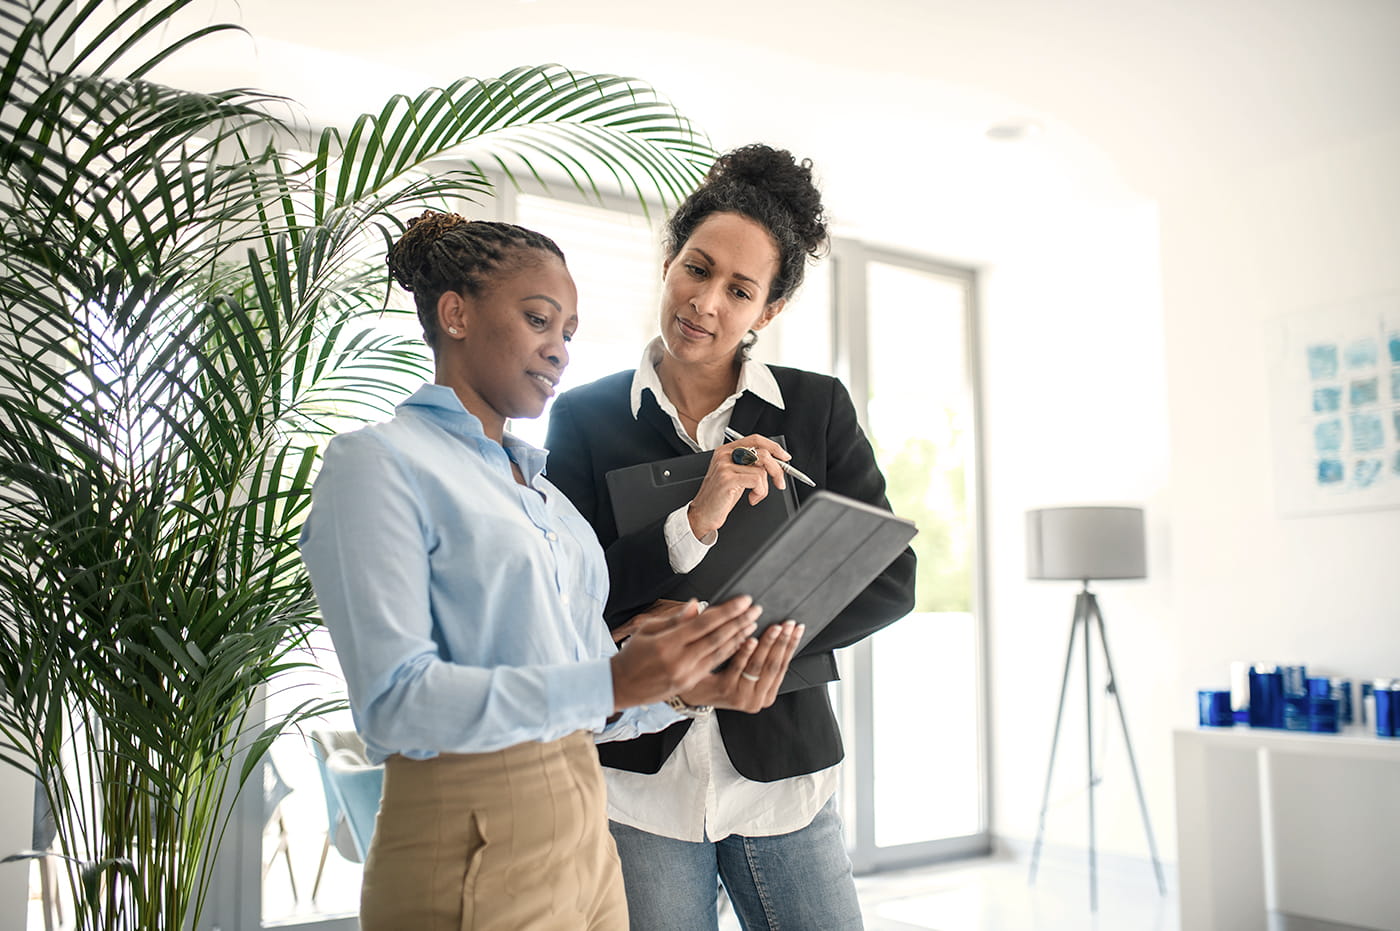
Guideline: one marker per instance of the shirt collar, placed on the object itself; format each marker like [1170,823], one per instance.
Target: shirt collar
[441,405]
[754,377]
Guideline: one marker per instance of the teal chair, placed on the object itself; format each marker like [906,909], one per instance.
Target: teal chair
[352,788]
[275,790]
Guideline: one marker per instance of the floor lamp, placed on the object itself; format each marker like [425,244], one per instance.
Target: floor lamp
[1085,544]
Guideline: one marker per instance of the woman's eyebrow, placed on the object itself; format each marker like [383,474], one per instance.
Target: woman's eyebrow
[740,275]
[544,297]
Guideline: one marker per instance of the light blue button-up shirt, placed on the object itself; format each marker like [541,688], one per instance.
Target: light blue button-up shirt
[465,608]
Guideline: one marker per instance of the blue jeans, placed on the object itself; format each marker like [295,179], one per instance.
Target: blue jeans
[788,882]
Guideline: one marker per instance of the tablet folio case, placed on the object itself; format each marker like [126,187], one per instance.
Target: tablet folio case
[807,568]
[823,557]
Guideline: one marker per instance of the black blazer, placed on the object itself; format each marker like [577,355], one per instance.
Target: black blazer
[592,431]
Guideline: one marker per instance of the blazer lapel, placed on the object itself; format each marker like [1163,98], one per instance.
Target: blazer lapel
[747,410]
[651,414]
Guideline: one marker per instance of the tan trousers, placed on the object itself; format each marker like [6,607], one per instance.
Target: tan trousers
[506,841]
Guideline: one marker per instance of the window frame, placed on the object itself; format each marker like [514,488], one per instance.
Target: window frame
[851,349]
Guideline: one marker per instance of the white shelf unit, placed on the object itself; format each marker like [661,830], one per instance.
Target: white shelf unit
[1291,823]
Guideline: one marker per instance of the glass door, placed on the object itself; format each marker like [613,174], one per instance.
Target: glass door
[913,700]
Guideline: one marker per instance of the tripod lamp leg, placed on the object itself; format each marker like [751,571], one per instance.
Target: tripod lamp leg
[1055,740]
[1128,743]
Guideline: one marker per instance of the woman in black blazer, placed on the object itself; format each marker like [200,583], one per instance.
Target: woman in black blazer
[742,798]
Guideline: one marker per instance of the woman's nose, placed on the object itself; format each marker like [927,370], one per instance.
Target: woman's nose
[707,299]
[558,354]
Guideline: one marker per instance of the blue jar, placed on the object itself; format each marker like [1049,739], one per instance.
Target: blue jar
[1213,706]
[1295,681]
[1295,712]
[1323,715]
[1265,697]
[1387,698]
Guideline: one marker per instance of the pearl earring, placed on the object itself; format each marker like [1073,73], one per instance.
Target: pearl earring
[452,330]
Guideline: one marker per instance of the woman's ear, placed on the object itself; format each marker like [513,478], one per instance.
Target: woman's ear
[769,312]
[452,315]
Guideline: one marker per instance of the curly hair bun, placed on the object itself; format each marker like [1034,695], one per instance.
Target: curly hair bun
[409,256]
[781,176]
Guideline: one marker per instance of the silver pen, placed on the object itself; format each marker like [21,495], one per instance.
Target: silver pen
[731,435]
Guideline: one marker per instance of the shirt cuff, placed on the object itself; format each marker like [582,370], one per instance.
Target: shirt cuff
[634,722]
[580,694]
[684,549]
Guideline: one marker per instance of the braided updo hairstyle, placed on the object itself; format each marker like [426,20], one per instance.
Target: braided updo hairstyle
[442,252]
[774,190]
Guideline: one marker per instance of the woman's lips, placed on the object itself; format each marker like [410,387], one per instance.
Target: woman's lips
[545,381]
[691,330]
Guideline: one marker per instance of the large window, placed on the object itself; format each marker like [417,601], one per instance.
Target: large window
[916,777]
[898,330]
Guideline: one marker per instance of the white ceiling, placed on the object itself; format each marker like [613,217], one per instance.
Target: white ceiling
[1136,95]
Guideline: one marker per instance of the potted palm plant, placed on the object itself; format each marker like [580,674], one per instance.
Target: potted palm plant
[186,311]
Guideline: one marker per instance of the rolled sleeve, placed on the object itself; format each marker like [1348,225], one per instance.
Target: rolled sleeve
[686,552]
[634,722]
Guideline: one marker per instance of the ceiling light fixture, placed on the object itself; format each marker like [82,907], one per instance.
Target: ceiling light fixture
[1013,130]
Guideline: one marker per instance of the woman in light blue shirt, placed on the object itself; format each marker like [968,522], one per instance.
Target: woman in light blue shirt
[464,596]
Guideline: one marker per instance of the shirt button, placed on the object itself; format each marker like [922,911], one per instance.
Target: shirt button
[551,536]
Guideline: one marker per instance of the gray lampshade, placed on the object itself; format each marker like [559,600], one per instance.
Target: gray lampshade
[1085,543]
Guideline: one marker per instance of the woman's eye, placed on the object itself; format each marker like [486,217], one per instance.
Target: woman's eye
[536,320]
[695,270]
[741,294]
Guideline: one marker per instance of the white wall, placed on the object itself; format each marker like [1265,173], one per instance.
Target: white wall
[1075,412]
[16,833]
[1304,233]
[1079,410]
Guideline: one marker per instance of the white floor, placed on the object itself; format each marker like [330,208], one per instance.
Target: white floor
[984,894]
[993,894]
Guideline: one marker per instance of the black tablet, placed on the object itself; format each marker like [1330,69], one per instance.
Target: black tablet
[819,561]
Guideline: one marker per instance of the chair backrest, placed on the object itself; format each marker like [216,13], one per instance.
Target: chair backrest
[359,785]
[352,788]
[275,788]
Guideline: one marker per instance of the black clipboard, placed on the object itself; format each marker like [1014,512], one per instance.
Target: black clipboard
[821,559]
[644,494]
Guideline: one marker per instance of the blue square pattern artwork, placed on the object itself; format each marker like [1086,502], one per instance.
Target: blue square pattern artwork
[1366,472]
[1395,348]
[1395,463]
[1328,400]
[1395,385]
[1395,417]
[1322,360]
[1362,354]
[1365,391]
[1327,436]
[1330,471]
[1367,433]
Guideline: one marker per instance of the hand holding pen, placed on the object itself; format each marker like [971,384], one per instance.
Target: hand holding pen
[736,472]
[786,466]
